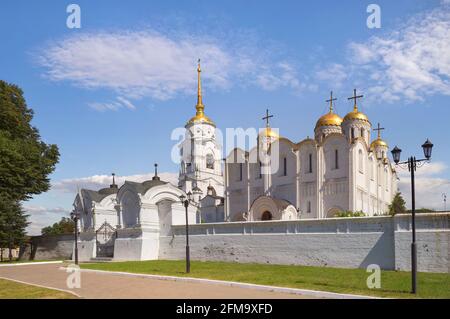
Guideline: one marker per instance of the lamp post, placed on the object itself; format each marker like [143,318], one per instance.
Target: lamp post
[74,215]
[412,163]
[185,201]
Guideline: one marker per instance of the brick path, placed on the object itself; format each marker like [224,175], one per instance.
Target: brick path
[101,285]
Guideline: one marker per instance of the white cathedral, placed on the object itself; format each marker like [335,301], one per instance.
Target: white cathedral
[340,169]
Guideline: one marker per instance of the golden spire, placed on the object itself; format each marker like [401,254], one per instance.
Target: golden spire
[199,107]
[200,114]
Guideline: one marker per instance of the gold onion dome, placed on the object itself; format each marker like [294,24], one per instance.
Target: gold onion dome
[378,142]
[329,119]
[268,132]
[356,115]
[200,116]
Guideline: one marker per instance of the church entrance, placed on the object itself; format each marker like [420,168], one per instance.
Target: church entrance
[105,237]
[266,215]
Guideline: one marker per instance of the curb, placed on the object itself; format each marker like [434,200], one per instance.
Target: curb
[295,291]
[33,263]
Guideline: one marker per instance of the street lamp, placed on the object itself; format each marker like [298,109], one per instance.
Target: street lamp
[412,163]
[185,201]
[75,216]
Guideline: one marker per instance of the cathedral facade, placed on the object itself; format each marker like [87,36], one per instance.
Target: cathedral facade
[341,169]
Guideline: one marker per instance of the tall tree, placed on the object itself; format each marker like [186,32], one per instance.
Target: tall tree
[397,205]
[25,161]
[13,222]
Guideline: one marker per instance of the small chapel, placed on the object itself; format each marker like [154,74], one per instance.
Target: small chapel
[342,168]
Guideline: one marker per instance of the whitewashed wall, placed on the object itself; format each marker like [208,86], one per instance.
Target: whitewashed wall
[339,242]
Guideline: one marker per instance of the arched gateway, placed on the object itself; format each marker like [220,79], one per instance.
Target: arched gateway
[142,212]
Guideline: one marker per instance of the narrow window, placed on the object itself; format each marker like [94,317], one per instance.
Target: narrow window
[240,171]
[310,164]
[361,162]
[210,161]
[353,133]
[362,132]
[308,209]
[284,166]
[371,168]
[259,170]
[336,159]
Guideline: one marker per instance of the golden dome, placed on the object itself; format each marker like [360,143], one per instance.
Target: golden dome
[329,119]
[356,115]
[200,117]
[378,142]
[268,132]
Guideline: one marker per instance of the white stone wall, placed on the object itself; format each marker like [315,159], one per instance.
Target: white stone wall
[336,242]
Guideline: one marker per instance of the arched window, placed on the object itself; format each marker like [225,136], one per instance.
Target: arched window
[360,162]
[353,133]
[210,161]
[308,208]
[362,132]
[284,166]
[241,167]
[266,216]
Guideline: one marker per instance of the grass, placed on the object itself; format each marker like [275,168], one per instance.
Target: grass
[14,290]
[353,281]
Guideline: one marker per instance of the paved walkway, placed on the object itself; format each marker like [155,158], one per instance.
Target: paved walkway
[106,285]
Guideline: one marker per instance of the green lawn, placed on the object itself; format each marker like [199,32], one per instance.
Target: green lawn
[14,290]
[353,281]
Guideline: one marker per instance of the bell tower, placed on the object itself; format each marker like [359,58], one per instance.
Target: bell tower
[201,154]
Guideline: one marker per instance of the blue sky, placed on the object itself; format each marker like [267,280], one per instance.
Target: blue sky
[110,93]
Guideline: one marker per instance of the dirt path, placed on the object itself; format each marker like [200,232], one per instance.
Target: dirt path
[101,285]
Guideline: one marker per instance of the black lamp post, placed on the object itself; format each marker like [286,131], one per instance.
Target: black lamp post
[75,216]
[412,163]
[185,201]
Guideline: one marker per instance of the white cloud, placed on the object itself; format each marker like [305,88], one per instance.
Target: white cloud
[334,74]
[150,64]
[96,182]
[41,217]
[409,63]
[31,209]
[112,106]
[428,187]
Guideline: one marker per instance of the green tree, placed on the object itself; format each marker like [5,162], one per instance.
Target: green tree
[348,213]
[25,161]
[397,205]
[13,222]
[64,226]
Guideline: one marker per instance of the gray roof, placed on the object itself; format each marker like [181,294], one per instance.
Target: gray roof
[97,196]
[143,187]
